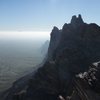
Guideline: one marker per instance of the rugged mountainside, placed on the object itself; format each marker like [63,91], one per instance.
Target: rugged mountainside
[71,51]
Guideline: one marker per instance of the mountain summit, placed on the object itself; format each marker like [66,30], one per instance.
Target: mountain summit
[77,20]
[72,50]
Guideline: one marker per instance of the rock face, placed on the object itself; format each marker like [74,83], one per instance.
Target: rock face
[76,21]
[71,50]
[80,35]
[54,41]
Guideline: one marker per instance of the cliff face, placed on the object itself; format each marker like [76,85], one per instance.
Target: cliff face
[54,41]
[71,50]
[83,37]
[79,41]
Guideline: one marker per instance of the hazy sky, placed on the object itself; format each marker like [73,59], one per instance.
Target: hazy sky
[24,35]
[42,15]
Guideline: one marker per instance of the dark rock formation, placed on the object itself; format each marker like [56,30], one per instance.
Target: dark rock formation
[79,40]
[54,41]
[71,51]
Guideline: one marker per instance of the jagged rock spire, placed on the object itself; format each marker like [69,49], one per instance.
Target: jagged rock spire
[55,30]
[80,18]
[77,20]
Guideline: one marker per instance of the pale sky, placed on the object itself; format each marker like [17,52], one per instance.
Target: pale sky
[42,15]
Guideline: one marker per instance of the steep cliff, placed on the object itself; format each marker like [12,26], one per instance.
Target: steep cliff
[54,41]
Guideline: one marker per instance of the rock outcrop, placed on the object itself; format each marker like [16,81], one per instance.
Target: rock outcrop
[54,41]
[71,51]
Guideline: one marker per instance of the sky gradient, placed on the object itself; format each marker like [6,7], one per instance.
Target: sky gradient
[42,15]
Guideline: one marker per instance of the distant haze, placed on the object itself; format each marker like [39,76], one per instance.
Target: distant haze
[19,54]
[32,35]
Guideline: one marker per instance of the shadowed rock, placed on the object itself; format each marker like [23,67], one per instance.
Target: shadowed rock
[76,21]
[54,40]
